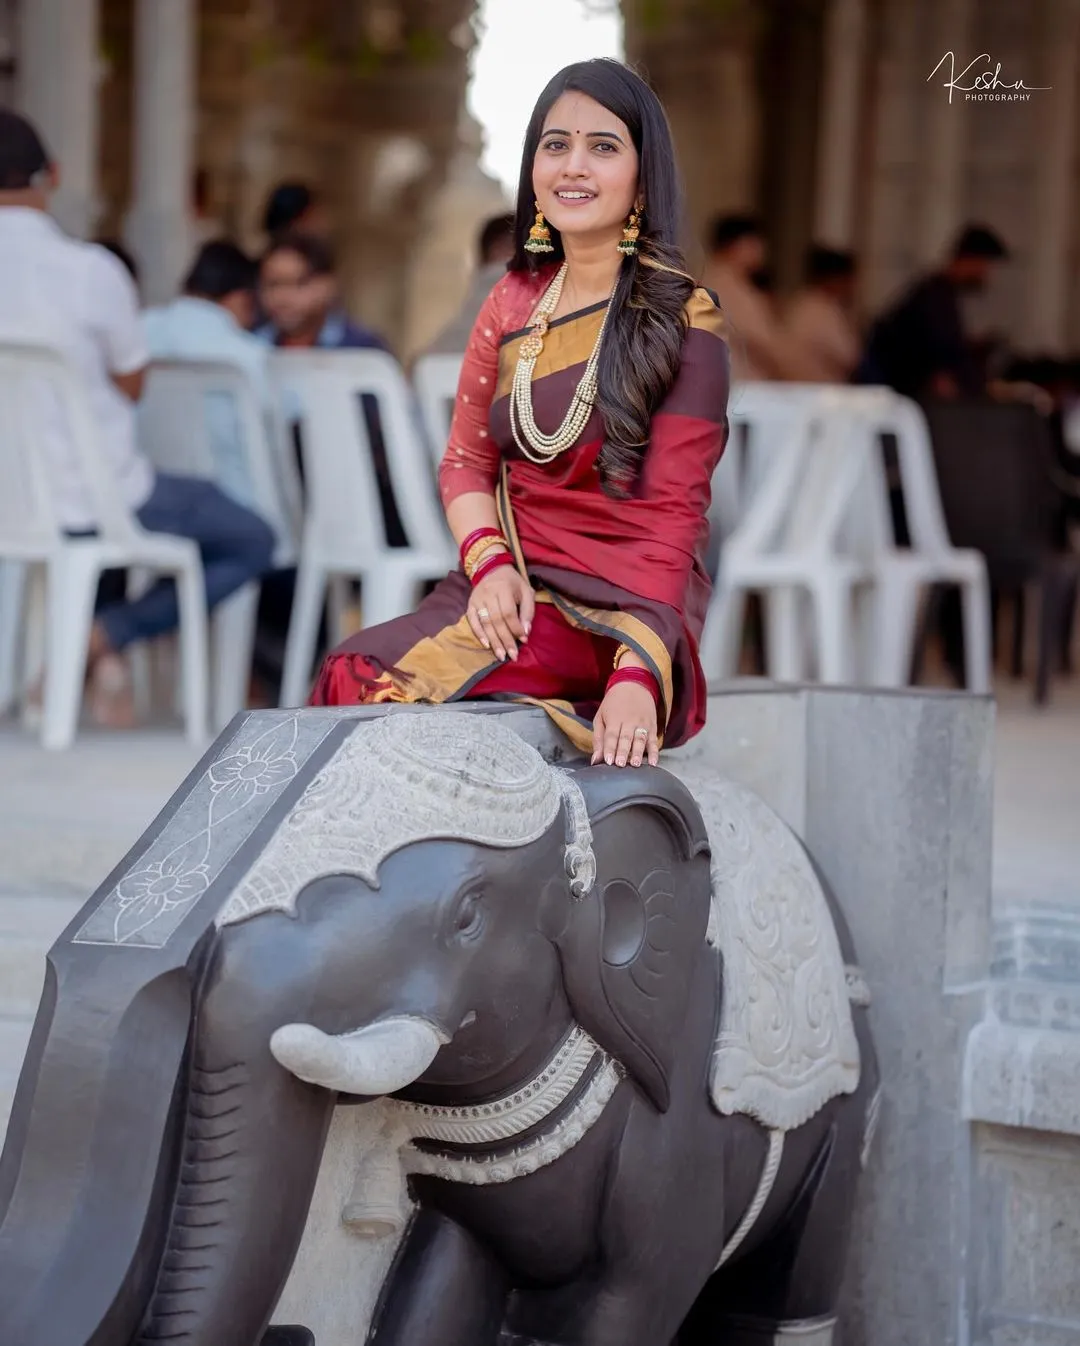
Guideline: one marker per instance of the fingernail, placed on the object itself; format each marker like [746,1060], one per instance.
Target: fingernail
[620,761]
[499,654]
[528,627]
[485,642]
[513,654]
[609,759]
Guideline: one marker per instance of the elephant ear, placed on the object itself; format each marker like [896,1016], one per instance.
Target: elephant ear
[628,948]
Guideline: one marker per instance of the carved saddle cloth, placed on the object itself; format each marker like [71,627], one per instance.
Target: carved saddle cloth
[787,1043]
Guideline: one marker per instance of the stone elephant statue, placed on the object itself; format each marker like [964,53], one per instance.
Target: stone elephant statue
[536,964]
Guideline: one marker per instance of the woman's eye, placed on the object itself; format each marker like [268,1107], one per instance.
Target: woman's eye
[554,144]
[605,145]
[470,915]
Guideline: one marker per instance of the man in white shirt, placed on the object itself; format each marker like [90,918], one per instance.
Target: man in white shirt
[78,298]
[211,320]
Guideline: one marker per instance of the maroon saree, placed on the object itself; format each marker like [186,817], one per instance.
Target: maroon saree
[605,571]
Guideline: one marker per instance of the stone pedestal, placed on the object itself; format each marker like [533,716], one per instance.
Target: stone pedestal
[1021,1098]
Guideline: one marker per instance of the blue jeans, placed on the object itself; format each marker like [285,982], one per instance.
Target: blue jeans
[236,547]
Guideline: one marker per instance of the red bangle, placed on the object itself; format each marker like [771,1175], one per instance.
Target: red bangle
[641,676]
[475,536]
[503,559]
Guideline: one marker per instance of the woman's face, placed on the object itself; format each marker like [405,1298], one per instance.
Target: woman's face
[585,173]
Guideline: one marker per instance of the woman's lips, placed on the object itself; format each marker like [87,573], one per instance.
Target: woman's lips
[575,201]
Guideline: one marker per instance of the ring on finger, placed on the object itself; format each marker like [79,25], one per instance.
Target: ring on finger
[641,732]
[483,614]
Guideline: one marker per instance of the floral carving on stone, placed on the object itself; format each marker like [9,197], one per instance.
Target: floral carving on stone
[149,902]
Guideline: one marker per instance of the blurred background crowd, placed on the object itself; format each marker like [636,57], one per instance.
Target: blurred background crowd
[275,178]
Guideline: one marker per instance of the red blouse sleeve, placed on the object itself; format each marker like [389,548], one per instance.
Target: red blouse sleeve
[471,461]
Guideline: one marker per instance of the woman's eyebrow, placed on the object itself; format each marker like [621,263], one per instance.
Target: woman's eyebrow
[589,135]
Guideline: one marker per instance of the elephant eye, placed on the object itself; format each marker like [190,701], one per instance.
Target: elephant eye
[469,916]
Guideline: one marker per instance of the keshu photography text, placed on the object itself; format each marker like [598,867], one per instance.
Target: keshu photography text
[539,673]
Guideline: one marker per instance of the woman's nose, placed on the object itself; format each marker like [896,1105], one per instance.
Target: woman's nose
[577,165]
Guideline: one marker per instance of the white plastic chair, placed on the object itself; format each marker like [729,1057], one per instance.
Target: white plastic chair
[344,532]
[804,471]
[30,533]
[901,575]
[175,431]
[435,378]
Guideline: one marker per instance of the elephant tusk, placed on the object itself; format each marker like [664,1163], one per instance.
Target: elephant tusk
[380,1059]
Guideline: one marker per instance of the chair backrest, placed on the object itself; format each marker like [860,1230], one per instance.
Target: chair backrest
[805,446]
[28,524]
[39,386]
[203,418]
[344,501]
[435,378]
[889,413]
[768,414]
[994,468]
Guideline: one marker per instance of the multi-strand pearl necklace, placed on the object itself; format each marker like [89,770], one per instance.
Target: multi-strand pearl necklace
[530,439]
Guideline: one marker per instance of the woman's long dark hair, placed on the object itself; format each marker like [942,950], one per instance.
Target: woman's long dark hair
[643,342]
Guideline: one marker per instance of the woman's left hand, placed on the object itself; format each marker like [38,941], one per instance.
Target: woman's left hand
[625,727]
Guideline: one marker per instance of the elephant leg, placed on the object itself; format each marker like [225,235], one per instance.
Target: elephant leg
[253,1138]
[788,1288]
[444,1289]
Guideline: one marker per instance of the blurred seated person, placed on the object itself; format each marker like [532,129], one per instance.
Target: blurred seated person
[301,298]
[737,263]
[495,247]
[80,299]
[299,293]
[919,346]
[211,320]
[821,333]
[293,207]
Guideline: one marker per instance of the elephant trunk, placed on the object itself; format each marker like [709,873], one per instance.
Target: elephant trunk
[380,1059]
[252,1143]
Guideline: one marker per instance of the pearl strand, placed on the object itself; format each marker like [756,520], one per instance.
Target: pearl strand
[530,439]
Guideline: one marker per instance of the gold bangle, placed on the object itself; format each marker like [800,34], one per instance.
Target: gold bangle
[476,553]
[623,649]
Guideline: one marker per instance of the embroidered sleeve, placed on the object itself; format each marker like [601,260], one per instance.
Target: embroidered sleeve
[471,461]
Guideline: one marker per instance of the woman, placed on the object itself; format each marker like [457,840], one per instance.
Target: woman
[589,418]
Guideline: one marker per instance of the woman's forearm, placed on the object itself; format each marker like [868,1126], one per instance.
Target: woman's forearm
[466,513]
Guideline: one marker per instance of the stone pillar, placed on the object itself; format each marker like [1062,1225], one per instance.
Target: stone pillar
[58,90]
[1049,292]
[942,171]
[158,226]
[839,135]
[703,63]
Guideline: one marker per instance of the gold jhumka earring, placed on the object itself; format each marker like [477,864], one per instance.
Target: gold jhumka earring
[539,239]
[628,245]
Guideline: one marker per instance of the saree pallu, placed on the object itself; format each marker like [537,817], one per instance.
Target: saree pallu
[605,571]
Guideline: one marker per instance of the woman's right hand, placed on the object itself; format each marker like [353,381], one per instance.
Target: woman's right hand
[501,610]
